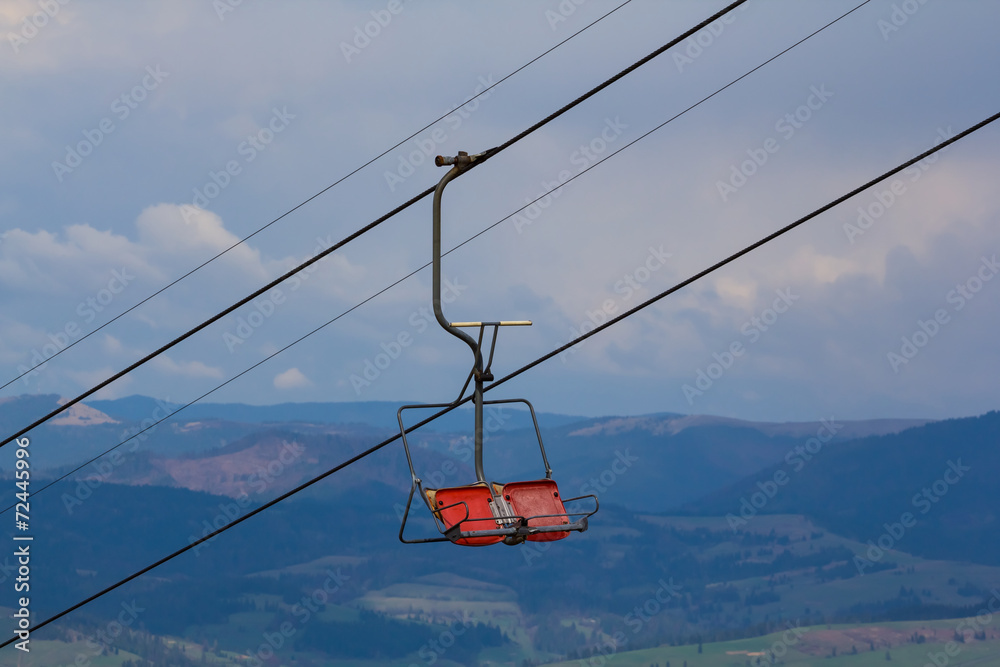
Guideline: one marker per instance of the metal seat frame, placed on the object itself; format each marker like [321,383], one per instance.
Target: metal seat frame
[510,527]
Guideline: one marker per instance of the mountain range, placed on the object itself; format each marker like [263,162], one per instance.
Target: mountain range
[752,525]
[669,459]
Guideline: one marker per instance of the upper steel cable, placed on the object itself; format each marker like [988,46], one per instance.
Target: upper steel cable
[525,368]
[492,152]
[321,192]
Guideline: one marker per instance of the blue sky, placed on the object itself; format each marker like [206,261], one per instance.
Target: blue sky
[141,139]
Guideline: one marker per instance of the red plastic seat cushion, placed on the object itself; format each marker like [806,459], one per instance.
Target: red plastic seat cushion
[477,497]
[537,499]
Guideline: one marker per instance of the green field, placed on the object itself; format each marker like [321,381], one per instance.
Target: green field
[56,654]
[830,646]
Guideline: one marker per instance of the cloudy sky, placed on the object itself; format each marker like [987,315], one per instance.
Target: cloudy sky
[141,139]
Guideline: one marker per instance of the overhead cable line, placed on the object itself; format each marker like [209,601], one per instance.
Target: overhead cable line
[321,192]
[468,240]
[492,152]
[770,237]
[371,450]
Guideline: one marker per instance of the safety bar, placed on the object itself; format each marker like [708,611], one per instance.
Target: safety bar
[512,323]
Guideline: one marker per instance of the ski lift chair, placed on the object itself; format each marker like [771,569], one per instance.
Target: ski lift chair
[486,512]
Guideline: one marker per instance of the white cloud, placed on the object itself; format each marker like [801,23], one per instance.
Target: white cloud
[189,369]
[293,378]
[183,230]
[169,240]
[88,378]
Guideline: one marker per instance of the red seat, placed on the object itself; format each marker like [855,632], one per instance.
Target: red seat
[538,499]
[477,498]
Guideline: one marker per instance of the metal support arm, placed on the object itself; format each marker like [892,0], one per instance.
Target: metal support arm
[461,162]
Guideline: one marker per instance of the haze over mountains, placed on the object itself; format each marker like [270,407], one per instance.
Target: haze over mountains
[217,448]
[757,524]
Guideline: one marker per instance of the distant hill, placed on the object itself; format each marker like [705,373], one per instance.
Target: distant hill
[88,432]
[672,460]
[943,475]
[381,414]
[647,463]
[548,598]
